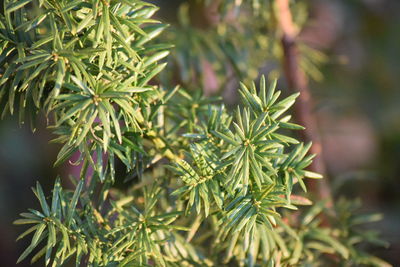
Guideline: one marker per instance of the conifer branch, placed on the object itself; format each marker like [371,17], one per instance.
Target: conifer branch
[208,186]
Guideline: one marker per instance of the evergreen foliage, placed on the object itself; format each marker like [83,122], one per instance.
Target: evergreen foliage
[207,186]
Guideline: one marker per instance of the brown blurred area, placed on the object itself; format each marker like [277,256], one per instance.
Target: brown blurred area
[357,107]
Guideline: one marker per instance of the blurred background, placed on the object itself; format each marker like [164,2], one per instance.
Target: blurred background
[354,84]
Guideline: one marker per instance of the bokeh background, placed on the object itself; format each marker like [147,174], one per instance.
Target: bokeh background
[357,106]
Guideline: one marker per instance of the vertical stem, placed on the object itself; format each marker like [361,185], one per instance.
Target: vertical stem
[297,81]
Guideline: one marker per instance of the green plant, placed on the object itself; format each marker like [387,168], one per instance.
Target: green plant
[208,187]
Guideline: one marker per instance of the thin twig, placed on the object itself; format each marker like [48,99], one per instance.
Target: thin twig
[297,81]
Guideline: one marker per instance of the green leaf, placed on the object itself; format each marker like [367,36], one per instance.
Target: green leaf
[27,232]
[285,139]
[225,138]
[24,254]
[26,221]
[82,105]
[271,91]
[154,58]
[13,6]
[35,240]
[74,201]
[152,74]
[64,154]
[38,234]
[313,175]
[55,205]
[81,85]
[59,78]
[85,22]
[43,203]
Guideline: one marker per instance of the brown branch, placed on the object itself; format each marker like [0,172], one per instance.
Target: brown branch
[297,81]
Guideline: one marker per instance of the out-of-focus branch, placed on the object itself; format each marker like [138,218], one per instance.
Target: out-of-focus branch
[297,81]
